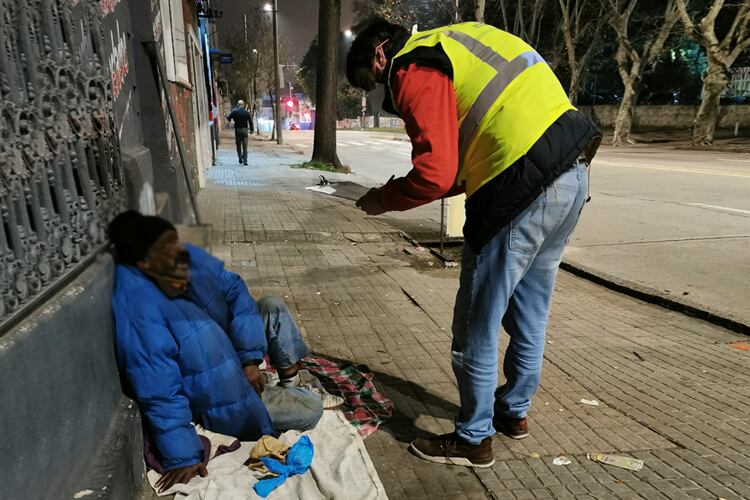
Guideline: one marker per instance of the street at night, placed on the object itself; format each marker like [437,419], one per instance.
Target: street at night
[375,249]
[675,221]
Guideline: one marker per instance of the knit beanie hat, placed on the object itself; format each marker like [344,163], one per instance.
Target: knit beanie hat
[132,234]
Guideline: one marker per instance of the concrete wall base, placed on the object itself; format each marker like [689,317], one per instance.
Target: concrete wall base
[65,426]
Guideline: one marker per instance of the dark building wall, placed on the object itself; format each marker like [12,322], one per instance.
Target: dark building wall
[85,133]
[127,99]
[62,408]
[158,133]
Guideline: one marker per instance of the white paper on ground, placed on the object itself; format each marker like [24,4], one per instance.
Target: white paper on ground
[322,189]
[341,469]
[633,464]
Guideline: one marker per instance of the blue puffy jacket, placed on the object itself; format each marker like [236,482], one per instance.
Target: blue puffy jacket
[183,358]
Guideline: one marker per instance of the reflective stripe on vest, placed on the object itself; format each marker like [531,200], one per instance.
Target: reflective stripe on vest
[506,96]
[507,71]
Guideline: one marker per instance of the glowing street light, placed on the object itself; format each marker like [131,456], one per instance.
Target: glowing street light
[268,7]
[348,33]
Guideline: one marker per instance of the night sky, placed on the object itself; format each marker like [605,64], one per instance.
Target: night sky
[298,19]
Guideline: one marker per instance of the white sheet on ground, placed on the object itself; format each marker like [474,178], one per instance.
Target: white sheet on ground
[341,469]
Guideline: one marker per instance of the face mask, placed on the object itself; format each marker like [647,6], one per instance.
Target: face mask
[175,282]
[366,80]
[182,262]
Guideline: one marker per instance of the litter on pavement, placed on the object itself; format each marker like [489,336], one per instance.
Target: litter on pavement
[561,461]
[622,462]
[590,402]
[343,189]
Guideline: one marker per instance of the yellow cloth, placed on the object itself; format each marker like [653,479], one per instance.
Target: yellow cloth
[267,446]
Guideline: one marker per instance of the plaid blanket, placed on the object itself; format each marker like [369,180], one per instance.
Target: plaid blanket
[365,408]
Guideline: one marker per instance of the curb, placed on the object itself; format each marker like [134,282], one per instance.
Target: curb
[646,294]
[652,296]
[716,149]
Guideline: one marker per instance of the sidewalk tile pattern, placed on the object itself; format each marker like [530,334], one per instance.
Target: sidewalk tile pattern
[673,391]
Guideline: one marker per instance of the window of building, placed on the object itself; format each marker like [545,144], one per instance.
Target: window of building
[175,45]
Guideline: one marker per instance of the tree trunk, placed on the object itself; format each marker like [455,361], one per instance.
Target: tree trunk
[324,145]
[479,10]
[721,55]
[624,119]
[707,118]
[575,84]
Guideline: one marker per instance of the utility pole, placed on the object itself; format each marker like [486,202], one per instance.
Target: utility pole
[277,69]
[248,86]
[364,108]
[255,91]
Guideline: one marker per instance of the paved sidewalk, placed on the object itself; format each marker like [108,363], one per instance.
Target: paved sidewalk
[673,391]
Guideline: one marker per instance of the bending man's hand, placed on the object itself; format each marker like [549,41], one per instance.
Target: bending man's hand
[370,203]
[252,372]
[181,475]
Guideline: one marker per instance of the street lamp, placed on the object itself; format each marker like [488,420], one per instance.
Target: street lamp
[348,33]
[274,9]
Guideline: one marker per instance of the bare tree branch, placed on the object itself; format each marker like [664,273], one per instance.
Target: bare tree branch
[632,62]
[720,55]
[504,12]
[574,27]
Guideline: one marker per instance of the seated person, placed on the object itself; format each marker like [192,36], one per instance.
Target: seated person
[189,342]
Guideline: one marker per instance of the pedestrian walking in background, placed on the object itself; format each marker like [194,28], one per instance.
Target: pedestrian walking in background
[243,124]
[486,117]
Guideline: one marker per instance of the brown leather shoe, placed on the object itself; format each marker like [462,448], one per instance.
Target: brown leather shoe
[451,449]
[516,428]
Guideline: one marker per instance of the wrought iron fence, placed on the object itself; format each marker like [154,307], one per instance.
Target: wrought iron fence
[60,173]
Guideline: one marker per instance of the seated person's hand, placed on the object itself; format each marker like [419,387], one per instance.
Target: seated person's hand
[181,475]
[252,372]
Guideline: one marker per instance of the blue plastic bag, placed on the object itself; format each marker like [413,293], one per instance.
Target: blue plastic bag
[298,460]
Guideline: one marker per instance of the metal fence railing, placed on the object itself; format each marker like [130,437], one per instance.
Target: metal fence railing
[60,173]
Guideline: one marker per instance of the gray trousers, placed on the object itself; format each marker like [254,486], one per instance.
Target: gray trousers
[240,137]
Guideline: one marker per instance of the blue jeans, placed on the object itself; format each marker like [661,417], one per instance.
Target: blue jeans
[294,407]
[510,282]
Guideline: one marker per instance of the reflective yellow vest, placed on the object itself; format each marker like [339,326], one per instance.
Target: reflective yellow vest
[506,94]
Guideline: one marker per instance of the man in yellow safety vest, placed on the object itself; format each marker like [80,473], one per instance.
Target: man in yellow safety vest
[488,117]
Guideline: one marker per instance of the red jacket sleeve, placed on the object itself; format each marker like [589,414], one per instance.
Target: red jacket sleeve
[427,102]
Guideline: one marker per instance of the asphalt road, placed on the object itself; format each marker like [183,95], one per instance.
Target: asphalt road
[671,220]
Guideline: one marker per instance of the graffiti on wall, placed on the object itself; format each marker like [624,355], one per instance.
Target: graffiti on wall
[108,6]
[61,179]
[118,59]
